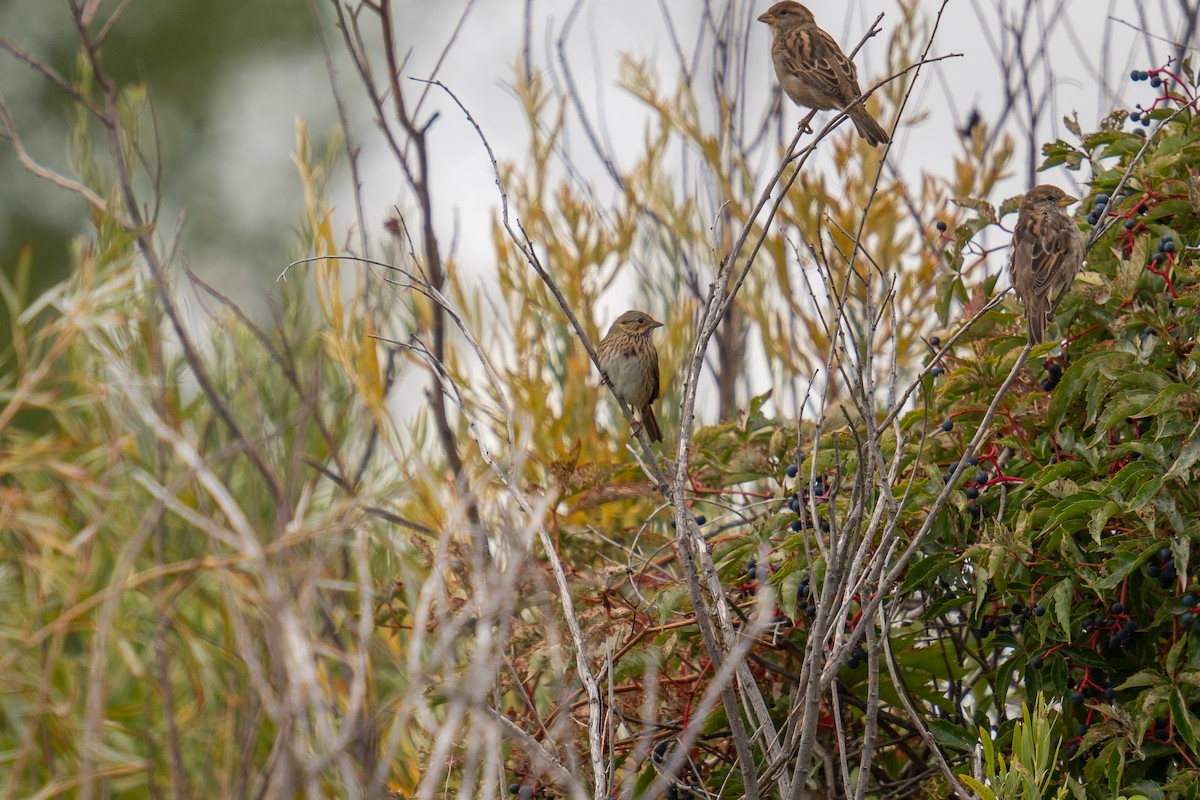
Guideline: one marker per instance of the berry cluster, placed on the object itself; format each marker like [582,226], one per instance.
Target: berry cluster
[1162,566]
[1161,263]
[750,578]
[985,464]
[1163,80]
[817,491]
[684,787]
[804,600]
[1120,626]
[935,342]
[1131,217]
[1054,373]
[1100,206]
[1162,729]
[857,656]
[1094,685]
[1188,618]
[1014,617]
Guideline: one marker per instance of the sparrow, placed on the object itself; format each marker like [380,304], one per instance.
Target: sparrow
[813,70]
[630,364]
[1047,253]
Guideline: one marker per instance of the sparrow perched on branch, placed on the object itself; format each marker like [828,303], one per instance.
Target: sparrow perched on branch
[813,70]
[1047,252]
[630,364]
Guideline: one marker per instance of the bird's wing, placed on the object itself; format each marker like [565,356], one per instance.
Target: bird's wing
[1021,260]
[812,55]
[1055,251]
[654,374]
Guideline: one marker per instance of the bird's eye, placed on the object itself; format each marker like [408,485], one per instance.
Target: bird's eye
[783,12]
[641,320]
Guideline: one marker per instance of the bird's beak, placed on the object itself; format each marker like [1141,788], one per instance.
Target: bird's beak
[655,324]
[767,17]
[1068,201]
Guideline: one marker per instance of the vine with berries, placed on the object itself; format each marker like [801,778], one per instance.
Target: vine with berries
[1076,576]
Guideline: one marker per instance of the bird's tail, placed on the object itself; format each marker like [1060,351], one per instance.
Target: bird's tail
[867,127]
[1037,319]
[648,420]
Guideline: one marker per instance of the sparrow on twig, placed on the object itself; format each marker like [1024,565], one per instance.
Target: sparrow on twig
[1047,253]
[630,363]
[813,70]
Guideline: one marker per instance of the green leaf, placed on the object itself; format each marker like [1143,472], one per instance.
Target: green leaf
[1167,399]
[1185,723]
[1181,469]
[1063,594]
[1070,512]
[924,568]
[1120,566]
[978,788]
[951,735]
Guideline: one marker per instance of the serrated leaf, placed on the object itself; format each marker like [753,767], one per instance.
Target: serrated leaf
[1181,468]
[1063,593]
[1121,566]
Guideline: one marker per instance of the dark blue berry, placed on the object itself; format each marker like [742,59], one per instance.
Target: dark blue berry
[1039,610]
[935,341]
[937,371]
[1187,619]
[792,470]
[948,425]
[941,225]
[972,492]
[1117,608]
[1130,224]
